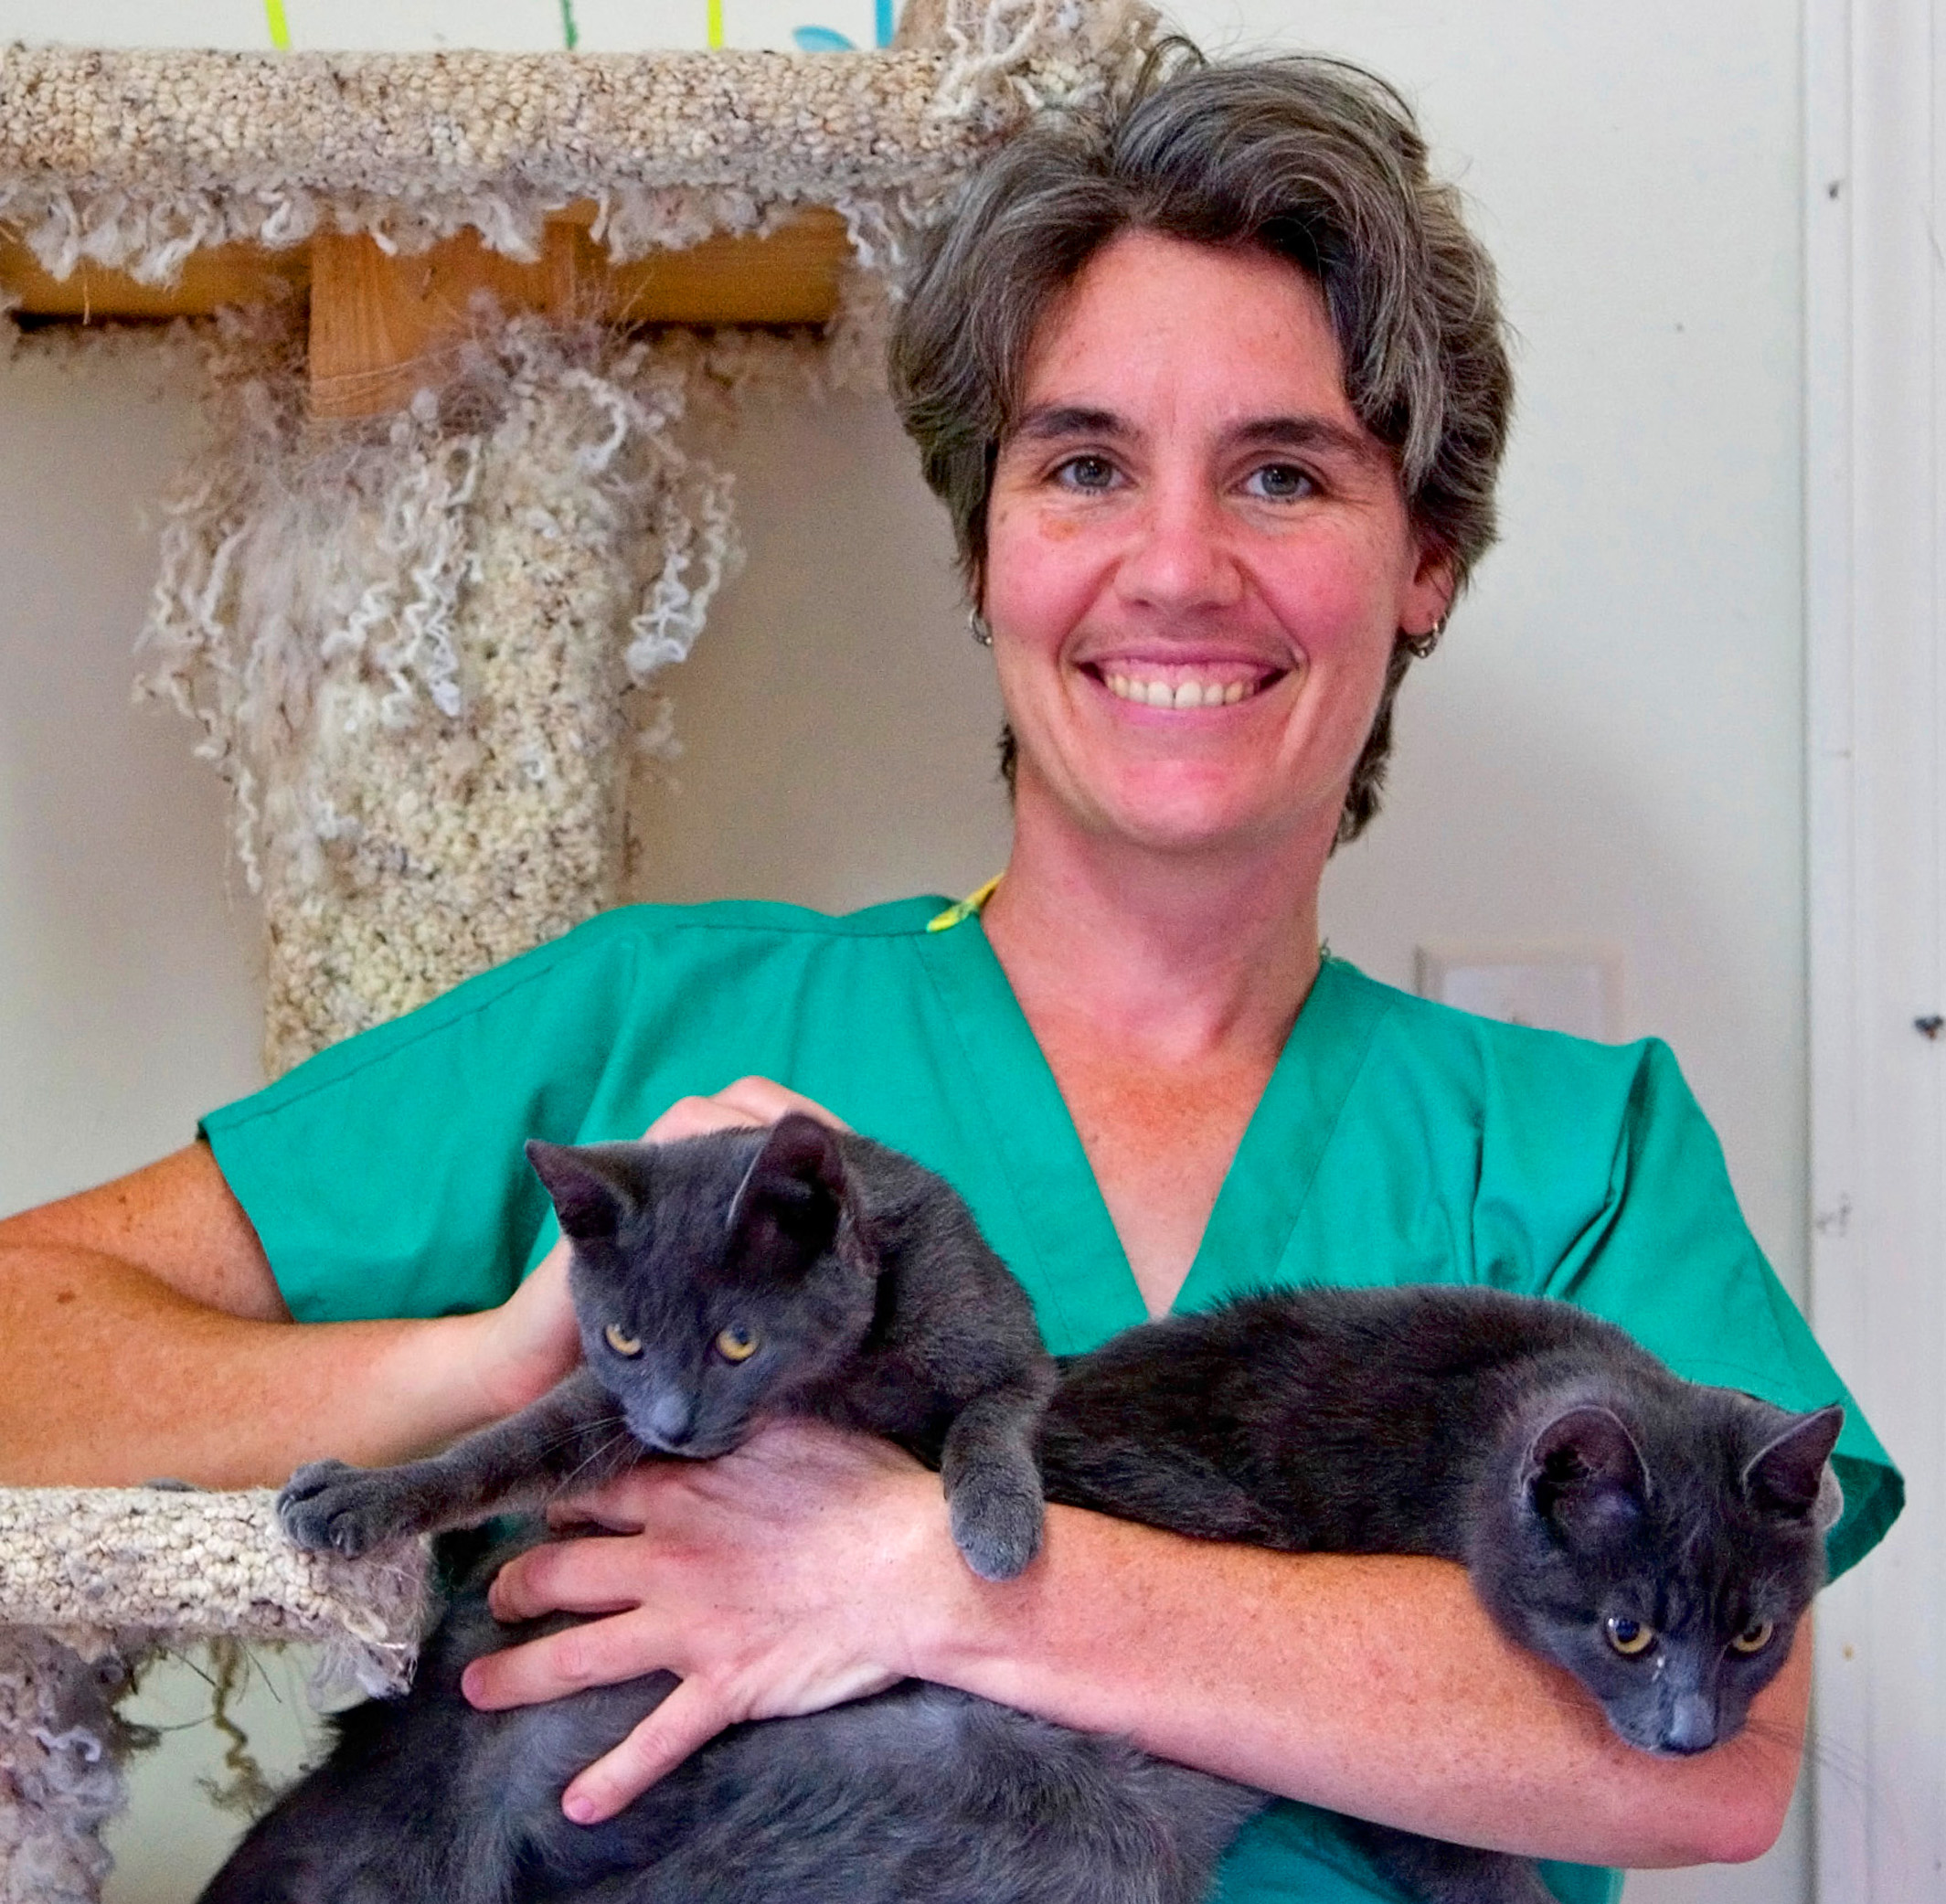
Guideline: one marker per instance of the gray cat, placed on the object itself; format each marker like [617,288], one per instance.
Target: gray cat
[1658,1540]
[794,1270]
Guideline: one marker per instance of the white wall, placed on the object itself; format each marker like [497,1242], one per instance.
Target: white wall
[127,1000]
[1607,747]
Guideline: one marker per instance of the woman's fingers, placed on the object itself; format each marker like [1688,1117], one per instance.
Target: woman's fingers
[767,1100]
[747,1105]
[595,1574]
[689,1718]
[624,1502]
[772,1581]
[697,1117]
[531,1340]
[596,1653]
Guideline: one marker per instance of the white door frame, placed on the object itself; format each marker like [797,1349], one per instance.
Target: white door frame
[1876,765]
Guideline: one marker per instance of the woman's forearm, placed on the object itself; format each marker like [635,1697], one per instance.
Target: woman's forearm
[1372,1684]
[811,1565]
[147,1336]
[114,1377]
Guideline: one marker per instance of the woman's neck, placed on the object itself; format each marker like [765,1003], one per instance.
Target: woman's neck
[1161,988]
[1171,955]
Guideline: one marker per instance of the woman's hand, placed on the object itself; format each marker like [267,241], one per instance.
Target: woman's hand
[747,1105]
[529,1343]
[774,1580]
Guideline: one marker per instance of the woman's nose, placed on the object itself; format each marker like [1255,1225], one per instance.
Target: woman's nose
[1180,558]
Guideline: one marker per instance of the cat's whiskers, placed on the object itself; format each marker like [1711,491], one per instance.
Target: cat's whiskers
[596,1455]
[1765,1737]
[1845,1766]
[580,1429]
[1566,1694]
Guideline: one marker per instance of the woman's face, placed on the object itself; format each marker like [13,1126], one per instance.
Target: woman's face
[1197,557]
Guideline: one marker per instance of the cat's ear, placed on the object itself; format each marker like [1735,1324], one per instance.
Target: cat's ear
[1790,1475]
[788,1204]
[590,1197]
[1585,1474]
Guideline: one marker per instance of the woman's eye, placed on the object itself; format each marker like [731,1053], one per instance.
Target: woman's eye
[622,1343]
[1281,482]
[1630,1637]
[1091,473]
[736,1345]
[1756,1637]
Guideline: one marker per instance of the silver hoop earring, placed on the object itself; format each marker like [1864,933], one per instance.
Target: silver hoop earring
[977,626]
[1421,645]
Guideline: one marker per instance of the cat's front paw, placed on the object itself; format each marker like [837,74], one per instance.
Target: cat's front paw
[996,1528]
[329,1504]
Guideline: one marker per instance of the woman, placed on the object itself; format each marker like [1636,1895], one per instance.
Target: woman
[1215,397]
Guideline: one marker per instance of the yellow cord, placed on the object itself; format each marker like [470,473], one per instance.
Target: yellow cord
[963,909]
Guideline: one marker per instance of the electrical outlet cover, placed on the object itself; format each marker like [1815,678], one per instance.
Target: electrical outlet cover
[1575,989]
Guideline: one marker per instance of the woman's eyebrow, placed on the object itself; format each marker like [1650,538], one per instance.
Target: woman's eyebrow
[1056,422]
[1049,422]
[1312,433]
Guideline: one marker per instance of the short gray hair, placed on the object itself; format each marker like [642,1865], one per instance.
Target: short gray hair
[1309,159]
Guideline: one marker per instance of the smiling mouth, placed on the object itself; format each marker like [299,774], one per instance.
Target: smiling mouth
[1179,689]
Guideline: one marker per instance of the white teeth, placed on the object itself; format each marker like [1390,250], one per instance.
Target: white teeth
[1181,693]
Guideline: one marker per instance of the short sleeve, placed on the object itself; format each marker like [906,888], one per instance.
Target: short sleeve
[1668,1256]
[385,1176]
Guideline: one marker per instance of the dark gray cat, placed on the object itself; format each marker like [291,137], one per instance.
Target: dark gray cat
[919,1795]
[794,1270]
[1658,1540]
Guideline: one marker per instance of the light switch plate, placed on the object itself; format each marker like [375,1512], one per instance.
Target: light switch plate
[1571,988]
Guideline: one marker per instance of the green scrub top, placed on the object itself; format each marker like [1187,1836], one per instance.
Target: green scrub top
[1397,1141]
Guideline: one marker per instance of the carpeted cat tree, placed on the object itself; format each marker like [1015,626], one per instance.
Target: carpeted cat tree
[465,323]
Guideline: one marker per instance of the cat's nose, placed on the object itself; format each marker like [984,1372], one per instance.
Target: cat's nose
[670,1420]
[1692,1726]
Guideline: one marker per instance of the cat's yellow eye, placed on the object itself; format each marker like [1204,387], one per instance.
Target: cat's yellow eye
[736,1345]
[1754,1639]
[622,1344]
[1630,1637]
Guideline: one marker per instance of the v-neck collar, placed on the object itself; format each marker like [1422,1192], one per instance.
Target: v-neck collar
[1277,1159]
[1081,1282]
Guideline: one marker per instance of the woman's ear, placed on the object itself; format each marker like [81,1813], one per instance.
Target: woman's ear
[1430,599]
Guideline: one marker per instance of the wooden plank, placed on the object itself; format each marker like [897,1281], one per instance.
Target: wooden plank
[224,274]
[789,277]
[382,326]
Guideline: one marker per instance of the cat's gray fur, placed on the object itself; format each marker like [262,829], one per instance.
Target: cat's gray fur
[862,1281]
[1577,1479]
[920,1795]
